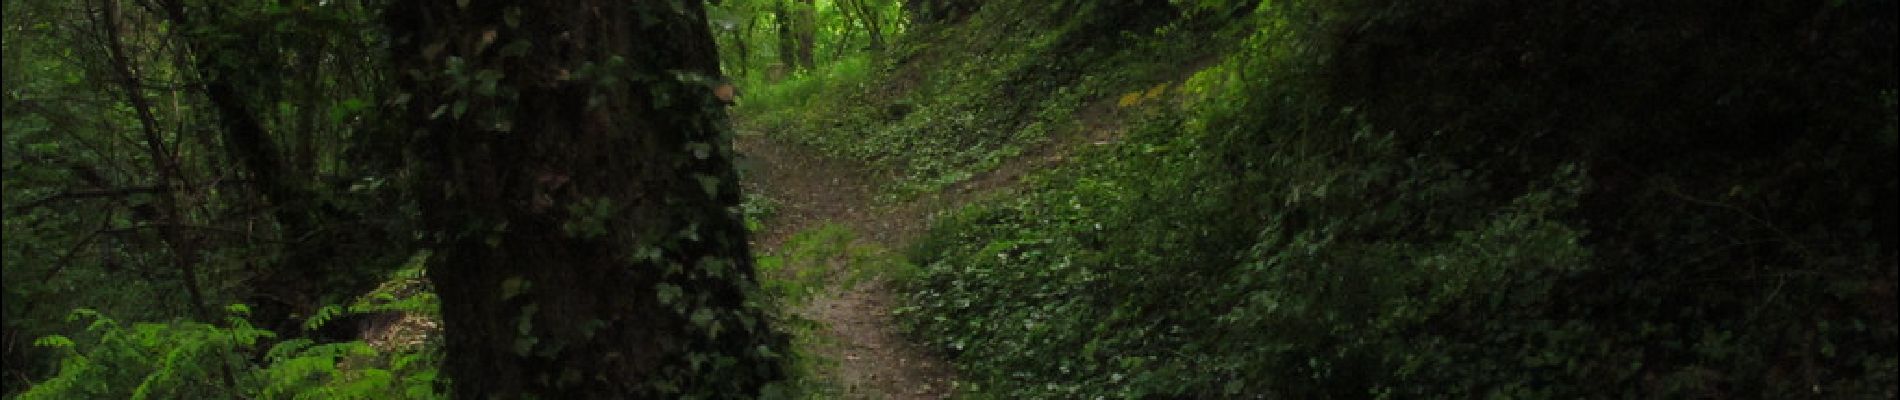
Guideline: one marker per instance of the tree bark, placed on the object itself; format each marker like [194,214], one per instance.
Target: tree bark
[873,23]
[807,16]
[787,36]
[583,213]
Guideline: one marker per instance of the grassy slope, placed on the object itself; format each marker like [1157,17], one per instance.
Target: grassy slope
[958,99]
[1347,228]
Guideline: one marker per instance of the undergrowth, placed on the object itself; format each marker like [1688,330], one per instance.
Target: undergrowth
[1310,220]
[182,359]
[140,360]
[953,101]
[823,257]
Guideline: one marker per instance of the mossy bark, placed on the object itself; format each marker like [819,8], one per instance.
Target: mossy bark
[574,175]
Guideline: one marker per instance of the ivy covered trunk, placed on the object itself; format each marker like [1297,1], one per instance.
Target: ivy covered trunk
[574,176]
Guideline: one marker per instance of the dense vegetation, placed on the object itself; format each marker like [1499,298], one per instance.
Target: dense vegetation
[368,199]
[1379,199]
[163,161]
[1226,198]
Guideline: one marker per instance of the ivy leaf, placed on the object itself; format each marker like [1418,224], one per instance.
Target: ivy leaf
[488,78]
[513,286]
[516,48]
[511,17]
[486,88]
[525,345]
[669,293]
[700,150]
[53,341]
[708,183]
[702,317]
[353,105]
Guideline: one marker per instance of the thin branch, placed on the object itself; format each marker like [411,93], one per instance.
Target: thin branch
[60,264]
[80,194]
[201,228]
[86,194]
[1671,190]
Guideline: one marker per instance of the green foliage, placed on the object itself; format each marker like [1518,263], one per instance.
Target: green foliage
[406,292]
[955,101]
[1311,222]
[183,359]
[196,360]
[757,208]
[801,91]
[143,360]
[588,218]
[826,256]
[1363,198]
[114,140]
[299,369]
[750,35]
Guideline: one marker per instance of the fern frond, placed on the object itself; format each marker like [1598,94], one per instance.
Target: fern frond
[323,316]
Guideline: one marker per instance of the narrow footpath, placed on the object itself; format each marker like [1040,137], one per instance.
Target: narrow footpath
[872,360]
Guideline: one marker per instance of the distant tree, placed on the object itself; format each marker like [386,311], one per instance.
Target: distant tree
[574,173]
[797,29]
[866,14]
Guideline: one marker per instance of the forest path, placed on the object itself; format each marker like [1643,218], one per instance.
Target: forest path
[810,190]
[872,360]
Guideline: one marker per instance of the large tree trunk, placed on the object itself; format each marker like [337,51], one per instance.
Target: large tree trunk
[583,210]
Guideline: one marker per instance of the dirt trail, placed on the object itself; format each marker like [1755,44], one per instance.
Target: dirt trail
[873,361]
